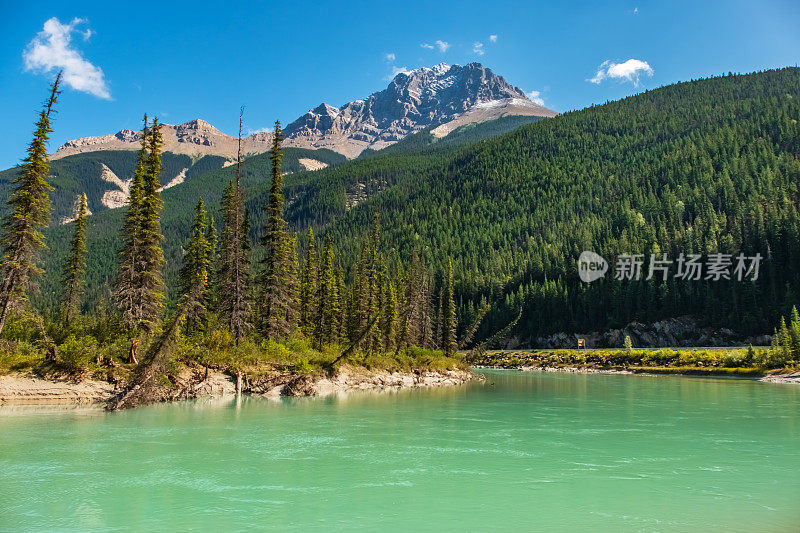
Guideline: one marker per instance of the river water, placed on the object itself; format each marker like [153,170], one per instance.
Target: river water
[520,451]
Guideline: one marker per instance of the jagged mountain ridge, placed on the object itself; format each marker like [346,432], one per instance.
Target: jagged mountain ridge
[438,96]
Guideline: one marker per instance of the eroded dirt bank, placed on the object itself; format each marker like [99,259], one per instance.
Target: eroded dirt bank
[17,388]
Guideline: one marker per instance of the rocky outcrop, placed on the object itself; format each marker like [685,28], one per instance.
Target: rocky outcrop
[311,164]
[443,96]
[114,198]
[672,332]
[74,215]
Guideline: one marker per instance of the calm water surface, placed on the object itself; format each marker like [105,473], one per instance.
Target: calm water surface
[522,451]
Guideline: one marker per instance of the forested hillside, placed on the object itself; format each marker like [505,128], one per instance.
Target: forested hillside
[84,173]
[705,166]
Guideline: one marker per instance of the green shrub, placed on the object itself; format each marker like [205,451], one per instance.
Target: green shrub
[76,354]
[775,357]
[733,360]
[19,356]
[24,327]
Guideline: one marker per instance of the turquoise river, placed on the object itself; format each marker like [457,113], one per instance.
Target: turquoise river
[522,451]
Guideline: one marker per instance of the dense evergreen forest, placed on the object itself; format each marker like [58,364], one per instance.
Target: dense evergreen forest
[705,166]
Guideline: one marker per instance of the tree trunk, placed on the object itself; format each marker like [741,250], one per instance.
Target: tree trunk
[132,355]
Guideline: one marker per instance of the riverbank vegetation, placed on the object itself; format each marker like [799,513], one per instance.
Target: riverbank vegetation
[741,361]
[235,312]
[783,356]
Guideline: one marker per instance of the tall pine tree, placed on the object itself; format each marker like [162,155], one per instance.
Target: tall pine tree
[75,266]
[233,276]
[22,239]
[194,274]
[278,275]
[128,288]
[151,256]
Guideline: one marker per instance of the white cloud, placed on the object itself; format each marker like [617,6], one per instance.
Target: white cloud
[395,71]
[51,50]
[493,38]
[442,46]
[635,10]
[389,57]
[477,47]
[630,71]
[535,97]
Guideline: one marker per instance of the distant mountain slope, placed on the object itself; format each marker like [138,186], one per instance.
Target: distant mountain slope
[446,96]
[703,166]
[193,138]
[105,175]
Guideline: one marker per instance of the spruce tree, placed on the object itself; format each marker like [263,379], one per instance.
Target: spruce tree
[291,275]
[22,239]
[389,315]
[194,273]
[449,321]
[127,288]
[357,305]
[438,329]
[411,318]
[233,276]
[277,280]
[327,316]
[794,333]
[337,311]
[308,287]
[151,257]
[373,277]
[213,262]
[75,266]
[426,307]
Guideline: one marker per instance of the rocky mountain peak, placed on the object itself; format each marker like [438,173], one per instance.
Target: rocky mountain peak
[442,96]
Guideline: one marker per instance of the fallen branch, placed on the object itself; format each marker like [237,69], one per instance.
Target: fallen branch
[352,347]
[144,389]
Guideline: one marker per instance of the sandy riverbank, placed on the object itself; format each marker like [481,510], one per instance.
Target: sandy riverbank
[29,389]
[16,388]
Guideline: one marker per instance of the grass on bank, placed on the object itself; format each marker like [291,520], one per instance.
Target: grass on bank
[94,348]
[742,361]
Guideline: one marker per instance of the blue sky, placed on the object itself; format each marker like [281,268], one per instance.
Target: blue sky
[203,59]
